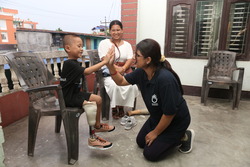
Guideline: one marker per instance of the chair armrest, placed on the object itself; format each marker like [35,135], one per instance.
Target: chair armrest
[56,87]
[44,88]
[241,74]
[240,68]
[205,72]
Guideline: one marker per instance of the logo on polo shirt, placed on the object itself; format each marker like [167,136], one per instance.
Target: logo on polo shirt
[154,100]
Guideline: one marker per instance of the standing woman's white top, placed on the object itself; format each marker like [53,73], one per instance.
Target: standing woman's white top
[119,95]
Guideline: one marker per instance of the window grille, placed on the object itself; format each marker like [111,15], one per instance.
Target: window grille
[238,17]
[180,22]
[194,28]
[208,17]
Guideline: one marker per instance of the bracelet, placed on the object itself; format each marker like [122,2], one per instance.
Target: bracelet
[114,73]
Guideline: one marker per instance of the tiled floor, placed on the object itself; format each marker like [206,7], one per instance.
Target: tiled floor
[222,140]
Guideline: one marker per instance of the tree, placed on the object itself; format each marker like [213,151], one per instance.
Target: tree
[59,29]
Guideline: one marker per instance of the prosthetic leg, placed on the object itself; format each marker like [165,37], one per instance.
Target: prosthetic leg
[91,109]
[94,142]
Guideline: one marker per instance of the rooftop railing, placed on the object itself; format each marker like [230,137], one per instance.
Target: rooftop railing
[53,59]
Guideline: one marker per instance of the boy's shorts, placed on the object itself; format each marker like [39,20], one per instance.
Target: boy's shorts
[78,99]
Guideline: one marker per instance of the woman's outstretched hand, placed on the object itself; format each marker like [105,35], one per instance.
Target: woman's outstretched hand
[112,59]
[110,55]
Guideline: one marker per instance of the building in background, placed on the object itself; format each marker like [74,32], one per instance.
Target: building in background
[100,30]
[20,23]
[47,40]
[7,30]
[8,26]
[15,33]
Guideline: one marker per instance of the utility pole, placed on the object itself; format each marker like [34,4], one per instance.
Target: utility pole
[105,23]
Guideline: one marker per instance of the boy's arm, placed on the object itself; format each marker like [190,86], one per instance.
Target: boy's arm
[94,68]
[104,61]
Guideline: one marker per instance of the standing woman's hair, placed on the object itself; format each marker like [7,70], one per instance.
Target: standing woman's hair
[151,48]
[115,22]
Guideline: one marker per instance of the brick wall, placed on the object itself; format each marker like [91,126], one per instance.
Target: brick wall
[129,20]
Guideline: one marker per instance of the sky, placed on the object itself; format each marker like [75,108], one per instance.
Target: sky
[69,15]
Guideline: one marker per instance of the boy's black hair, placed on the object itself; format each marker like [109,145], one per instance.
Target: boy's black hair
[67,39]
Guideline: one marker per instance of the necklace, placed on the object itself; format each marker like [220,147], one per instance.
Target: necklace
[117,42]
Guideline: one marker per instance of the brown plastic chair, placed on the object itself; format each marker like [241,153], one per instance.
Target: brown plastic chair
[220,71]
[99,85]
[45,99]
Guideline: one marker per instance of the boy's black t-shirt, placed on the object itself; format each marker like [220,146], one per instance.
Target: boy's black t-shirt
[71,80]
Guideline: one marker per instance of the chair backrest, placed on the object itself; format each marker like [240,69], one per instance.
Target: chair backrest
[31,71]
[93,56]
[221,64]
[94,59]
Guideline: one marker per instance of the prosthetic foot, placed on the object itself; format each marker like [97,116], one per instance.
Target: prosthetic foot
[90,109]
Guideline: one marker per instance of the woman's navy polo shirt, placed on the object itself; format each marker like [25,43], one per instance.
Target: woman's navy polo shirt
[162,95]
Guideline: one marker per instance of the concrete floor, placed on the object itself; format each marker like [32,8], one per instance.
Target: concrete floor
[222,140]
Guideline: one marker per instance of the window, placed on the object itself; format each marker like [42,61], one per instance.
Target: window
[3,25]
[57,40]
[26,25]
[179,29]
[198,27]
[4,36]
[207,22]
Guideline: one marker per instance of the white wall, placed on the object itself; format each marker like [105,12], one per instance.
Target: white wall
[151,23]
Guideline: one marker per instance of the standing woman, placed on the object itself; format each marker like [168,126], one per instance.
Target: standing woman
[162,93]
[119,96]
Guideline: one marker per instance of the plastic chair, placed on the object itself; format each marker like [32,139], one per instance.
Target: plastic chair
[220,71]
[99,85]
[45,99]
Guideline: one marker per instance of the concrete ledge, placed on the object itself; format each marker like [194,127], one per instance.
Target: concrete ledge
[13,107]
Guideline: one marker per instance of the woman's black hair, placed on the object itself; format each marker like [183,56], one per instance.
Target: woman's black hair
[151,48]
[115,22]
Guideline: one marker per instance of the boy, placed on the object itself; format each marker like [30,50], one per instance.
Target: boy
[72,76]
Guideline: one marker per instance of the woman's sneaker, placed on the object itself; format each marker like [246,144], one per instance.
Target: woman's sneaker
[99,143]
[124,120]
[187,145]
[105,128]
[130,123]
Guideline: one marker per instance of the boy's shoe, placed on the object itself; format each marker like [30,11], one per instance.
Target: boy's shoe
[99,143]
[130,123]
[186,146]
[124,120]
[105,128]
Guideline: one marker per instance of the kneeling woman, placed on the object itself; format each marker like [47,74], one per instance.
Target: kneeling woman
[162,93]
